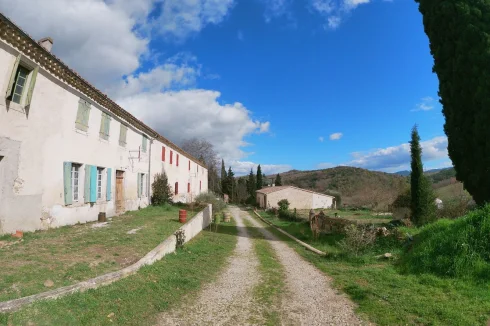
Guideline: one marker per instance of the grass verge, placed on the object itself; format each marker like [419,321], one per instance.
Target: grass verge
[386,296]
[137,299]
[269,291]
[70,254]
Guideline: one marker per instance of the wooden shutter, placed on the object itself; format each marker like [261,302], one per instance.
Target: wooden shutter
[176,188]
[86,185]
[122,135]
[188,187]
[67,183]
[139,185]
[109,184]
[102,126]
[12,77]
[177,160]
[163,154]
[93,184]
[107,126]
[32,83]
[171,156]
[189,165]
[83,114]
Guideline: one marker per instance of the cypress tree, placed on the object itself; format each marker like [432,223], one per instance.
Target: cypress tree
[459,34]
[278,181]
[260,180]
[224,178]
[422,200]
[252,184]
[230,184]
[264,180]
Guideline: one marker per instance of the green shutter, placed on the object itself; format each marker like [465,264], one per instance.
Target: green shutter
[31,86]
[122,135]
[139,183]
[86,114]
[109,184]
[107,125]
[86,187]
[67,183]
[12,77]
[82,116]
[103,126]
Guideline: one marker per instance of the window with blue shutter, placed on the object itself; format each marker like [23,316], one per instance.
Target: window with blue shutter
[93,184]
[109,184]
[86,189]
[67,183]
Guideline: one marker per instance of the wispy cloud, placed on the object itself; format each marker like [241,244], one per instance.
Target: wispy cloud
[240,35]
[321,139]
[243,168]
[336,136]
[425,104]
[334,11]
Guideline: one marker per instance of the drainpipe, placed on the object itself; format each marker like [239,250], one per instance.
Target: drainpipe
[148,186]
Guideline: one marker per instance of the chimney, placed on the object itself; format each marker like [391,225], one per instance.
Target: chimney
[46,43]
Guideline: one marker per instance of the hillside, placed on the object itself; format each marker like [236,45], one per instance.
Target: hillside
[358,187]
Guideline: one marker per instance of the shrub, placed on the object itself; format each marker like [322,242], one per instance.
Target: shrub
[454,248]
[283,205]
[211,198]
[161,191]
[358,239]
[404,199]
[455,207]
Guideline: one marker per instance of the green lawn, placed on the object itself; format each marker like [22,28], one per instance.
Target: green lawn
[71,254]
[386,296]
[137,299]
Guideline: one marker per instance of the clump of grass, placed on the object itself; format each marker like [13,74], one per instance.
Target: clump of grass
[454,248]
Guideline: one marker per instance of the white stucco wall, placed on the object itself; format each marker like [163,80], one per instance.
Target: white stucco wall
[298,198]
[35,143]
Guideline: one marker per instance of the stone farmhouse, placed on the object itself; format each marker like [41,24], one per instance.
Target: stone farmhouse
[67,151]
[298,198]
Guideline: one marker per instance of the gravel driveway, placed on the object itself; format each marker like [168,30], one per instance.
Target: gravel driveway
[309,298]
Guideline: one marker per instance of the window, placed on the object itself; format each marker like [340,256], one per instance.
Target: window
[18,83]
[188,188]
[144,144]
[176,188]
[163,154]
[105,124]
[83,114]
[123,132]
[75,172]
[177,160]
[171,156]
[141,185]
[99,182]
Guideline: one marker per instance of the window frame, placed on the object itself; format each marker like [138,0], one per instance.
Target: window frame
[25,97]
[75,182]
[100,178]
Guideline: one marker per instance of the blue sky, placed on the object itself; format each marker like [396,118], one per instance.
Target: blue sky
[301,84]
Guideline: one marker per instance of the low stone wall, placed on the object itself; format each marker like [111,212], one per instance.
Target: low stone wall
[335,225]
[191,229]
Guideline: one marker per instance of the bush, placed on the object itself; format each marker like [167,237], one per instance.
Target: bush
[283,205]
[454,248]
[358,239]
[161,191]
[404,199]
[455,207]
[211,198]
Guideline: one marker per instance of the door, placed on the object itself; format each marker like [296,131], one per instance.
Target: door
[120,192]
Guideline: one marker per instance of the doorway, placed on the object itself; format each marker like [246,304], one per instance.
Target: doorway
[120,207]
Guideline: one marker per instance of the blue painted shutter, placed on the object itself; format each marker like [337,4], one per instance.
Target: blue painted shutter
[93,184]
[67,183]
[109,184]
[139,185]
[86,187]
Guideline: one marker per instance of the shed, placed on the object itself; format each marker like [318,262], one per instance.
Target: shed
[298,198]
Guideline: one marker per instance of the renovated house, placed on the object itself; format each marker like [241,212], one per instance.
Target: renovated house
[298,198]
[67,151]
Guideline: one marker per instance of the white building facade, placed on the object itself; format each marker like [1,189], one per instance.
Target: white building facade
[67,151]
[298,198]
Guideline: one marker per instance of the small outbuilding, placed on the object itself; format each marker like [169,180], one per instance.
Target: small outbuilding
[298,198]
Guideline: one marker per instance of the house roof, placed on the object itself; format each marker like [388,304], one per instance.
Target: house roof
[269,190]
[12,34]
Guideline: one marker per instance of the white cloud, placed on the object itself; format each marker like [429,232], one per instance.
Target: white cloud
[397,158]
[197,113]
[352,4]
[334,11]
[240,36]
[243,168]
[426,104]
[276,8]
[336,136]
[181,18]
[321,139]
[333,22]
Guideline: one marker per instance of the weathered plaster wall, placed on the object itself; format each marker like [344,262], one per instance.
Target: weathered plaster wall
[299,199]
[321,201]
[38,140]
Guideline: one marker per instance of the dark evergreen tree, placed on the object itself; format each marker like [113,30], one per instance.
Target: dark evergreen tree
[231,184]
[265,183]
[252,184]
[161,191]
[224,178]
[422,202]
[278,181]
[260,180]
[459,34]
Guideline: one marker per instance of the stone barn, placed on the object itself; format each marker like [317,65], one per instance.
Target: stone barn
[297,197]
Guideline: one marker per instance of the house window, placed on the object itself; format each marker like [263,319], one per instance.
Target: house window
[99,182]
[163,154]
[177,160]
[123,132]
[105,124]
[144,144]
[141,185]
[83,115]
[171,156]
[176,188]
[188,188]
[18,83]
[75,172]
